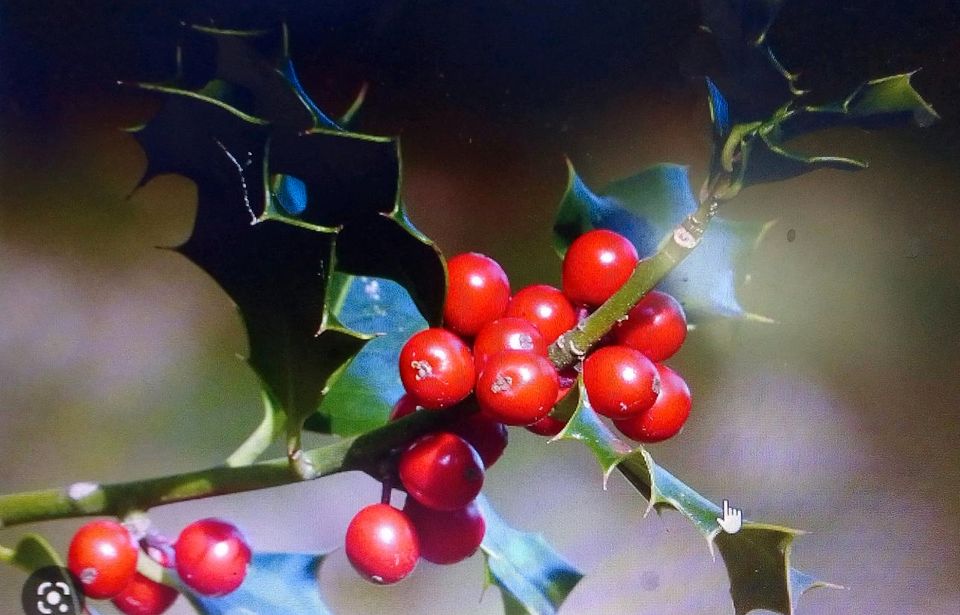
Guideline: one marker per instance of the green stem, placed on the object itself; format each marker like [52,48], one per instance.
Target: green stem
[365,452]
[362,453]
[571,347]
[266,433]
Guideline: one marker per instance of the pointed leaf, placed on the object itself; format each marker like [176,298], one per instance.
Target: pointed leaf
[754,80]
[645,208]
[757,557]
[275,583]
[761,148]
[533,579]
[284,197]
[361,397]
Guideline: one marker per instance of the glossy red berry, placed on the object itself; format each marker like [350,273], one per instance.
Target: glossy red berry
[382,544]
[487,436]
[596,265]
[442,471]
[446,537]
[103,556]
[667,415]
[517,387]
[477,292]
[656,326]
[407,404]
[145,597]
[510,333]
[547,426]
[546,307]
[212,556]
[620,381]
[436,367]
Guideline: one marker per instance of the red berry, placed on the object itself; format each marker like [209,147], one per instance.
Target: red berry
[145,597]
[547,426]
[620,381]
[442,471]
[665,418]
[546,307]
[477,292]
[436,367]
[596,265]
[212,557]
[446,537]
[382,544]
[509,333]
[487,436]
[517,387]
[407,404]
[103,556]
[656,326]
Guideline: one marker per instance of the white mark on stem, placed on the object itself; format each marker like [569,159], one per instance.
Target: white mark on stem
[684,238]
[657,385]
[78,491]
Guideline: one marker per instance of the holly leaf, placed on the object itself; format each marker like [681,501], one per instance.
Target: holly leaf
[360,399]
[757,558]
[32,552]
[756,81]
[645,208]
[275,583]
[285,197]
[532,578]
[757,152]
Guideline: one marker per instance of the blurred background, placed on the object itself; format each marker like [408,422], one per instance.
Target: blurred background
[118,360]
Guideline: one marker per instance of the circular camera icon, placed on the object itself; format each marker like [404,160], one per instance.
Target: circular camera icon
[51,591]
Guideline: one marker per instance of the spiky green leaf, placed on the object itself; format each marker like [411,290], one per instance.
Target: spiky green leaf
[757,558]
[532,578]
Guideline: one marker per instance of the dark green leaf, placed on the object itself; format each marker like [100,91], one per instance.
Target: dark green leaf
[533,579]
[31,553]
[757,557]
[751,76]
[361,397]
[758,153]
[275,583]
[285,196]
[645,208]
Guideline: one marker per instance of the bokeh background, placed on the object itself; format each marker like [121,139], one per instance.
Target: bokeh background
[118,360]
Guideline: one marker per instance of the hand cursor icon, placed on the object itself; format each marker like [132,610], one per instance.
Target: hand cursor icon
[732,519]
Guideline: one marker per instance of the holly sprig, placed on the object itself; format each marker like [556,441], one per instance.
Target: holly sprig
[300,221]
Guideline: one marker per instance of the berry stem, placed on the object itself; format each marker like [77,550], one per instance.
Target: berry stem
[361,453]
[573,345]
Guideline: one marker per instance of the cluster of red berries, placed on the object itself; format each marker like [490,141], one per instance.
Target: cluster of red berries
[494,345]
[211,557]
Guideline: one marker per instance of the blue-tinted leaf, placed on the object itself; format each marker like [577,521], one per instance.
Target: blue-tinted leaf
[645,208]
[361,397]
[276,583]
[533,579]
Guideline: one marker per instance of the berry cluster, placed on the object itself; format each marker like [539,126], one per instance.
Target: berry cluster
[494,346]
[210,556]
